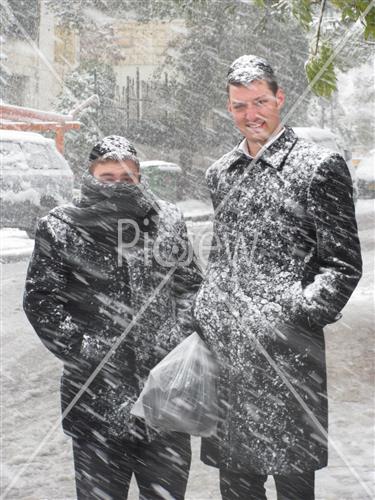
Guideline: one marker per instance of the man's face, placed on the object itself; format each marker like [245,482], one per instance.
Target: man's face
[256,111]
[117,171]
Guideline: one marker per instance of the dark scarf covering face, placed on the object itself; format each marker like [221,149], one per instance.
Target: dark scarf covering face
[102,204]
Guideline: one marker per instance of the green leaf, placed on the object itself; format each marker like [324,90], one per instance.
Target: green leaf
[260,3]
[370,24]
[320,72]
[369,32]
[351,10]
[301,10]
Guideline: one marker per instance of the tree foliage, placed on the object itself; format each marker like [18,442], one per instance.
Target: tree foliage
[327,22]
[321,73]
[20,18]
[196,119]
[356,93]
[189,115]
[352,10]
[80,84]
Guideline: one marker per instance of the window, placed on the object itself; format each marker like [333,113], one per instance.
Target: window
[37,156]
[12,157]
[163,184]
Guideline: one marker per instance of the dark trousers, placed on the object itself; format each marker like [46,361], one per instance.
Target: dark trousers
[242,486]
[103,470]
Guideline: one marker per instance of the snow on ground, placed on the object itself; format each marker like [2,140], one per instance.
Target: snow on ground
[365,208]
[195,209]
[14,243]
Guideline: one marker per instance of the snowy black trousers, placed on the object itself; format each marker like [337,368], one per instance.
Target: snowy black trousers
[104,470]
[242,486]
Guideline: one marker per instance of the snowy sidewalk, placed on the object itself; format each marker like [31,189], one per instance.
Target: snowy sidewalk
[14,245]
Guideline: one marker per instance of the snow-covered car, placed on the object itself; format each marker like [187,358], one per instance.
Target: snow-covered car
[163,177]
[326,138]
[366,177]
[166,180]
[35,177]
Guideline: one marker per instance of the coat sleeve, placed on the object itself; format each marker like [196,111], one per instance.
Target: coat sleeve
[46,294]
[212,179]
[338,254]
[187,279]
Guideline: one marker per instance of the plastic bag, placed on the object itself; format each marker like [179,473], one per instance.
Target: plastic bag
[180,392]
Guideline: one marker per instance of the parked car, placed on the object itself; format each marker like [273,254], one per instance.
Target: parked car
[326,138]
[166,179]
[366,177]
[163,177]
[35,177]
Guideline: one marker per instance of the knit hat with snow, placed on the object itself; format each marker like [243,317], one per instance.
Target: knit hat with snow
[114,147]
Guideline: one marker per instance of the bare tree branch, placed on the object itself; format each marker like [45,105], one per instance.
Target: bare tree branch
[317,36]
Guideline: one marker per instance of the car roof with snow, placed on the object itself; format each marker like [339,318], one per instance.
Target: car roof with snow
[163,166]
[322,136]
[366,167]
[18,136]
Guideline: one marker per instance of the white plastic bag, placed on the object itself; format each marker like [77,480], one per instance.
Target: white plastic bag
[180,392]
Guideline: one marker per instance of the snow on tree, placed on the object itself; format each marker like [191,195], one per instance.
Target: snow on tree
[195,117]
[81,83]
[356,96]
[19,19]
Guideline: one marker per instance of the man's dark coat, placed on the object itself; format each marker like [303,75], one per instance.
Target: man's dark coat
[285,260]
[80,298]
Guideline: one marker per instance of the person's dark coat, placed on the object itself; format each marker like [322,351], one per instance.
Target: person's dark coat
[84,294]
[285,260]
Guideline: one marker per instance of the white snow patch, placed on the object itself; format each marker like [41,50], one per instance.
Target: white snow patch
[14,242]
[365,207]
[366,169]
[15,135]
[163,166]
[96,15]
[29,194]
[193,208]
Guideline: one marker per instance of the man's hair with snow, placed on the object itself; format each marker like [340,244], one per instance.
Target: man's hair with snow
[246,69]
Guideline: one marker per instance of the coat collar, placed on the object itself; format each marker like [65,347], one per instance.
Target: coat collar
[275,155]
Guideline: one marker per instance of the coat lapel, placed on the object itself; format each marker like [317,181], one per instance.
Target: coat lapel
[277,153]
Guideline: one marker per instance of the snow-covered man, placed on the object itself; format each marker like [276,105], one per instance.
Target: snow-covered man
[109,291]
[285,260]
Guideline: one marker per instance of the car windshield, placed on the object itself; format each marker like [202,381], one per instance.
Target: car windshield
[163,183]
[12,157]
[37,155]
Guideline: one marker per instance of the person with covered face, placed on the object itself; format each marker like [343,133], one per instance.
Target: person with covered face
[285,260]
[109,291]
